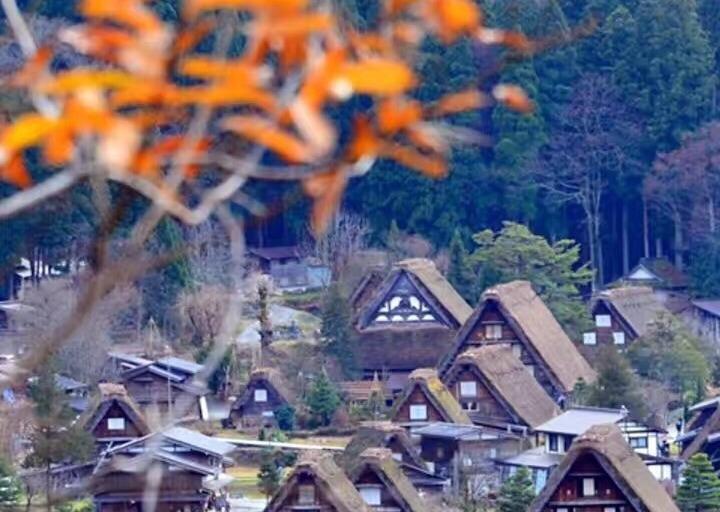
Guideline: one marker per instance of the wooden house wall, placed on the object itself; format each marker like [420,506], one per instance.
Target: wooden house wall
[102,431]
[252,408]
[529,357]
[148,390]
[607,493]
[417,397]
[604,335]
[172,482]
[371,478]
[486,405]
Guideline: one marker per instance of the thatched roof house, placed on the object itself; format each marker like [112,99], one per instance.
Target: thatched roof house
[621,315]
[495,389]
[513,314]
[379,434]
[317,482]
[114,417]
[601,470]
[702,433]
[265,393]
[383,485]
[426,399]
[407,319]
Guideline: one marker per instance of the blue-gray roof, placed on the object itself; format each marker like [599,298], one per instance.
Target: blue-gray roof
[68,384]
[533,458]
[455,431]
[182,365]
[578,420]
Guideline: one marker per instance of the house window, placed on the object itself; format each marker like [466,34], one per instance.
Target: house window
[261,395]
[116,424]
[602,321]
[469,406]
[370,495]
[561,509]
[588,487]
[619,338]
[589,338]
[418,412]
[517,350]
[609,509]
[468,389]
[306,494]
[638,442]
[552,443]
[493,331]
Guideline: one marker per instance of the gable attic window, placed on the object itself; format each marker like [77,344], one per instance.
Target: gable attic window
[602,321]
[116,423]
[493,331]
[589,338]
[468,389]
[588,487]
[418,412]
[371,495]
[261,395]
[306,494]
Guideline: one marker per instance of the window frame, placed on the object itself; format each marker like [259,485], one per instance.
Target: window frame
[466,383]
[606,321]
[616,337]
[590,335]
[263,392]
[113,421]
[588,487]
[416,407]
[305,494]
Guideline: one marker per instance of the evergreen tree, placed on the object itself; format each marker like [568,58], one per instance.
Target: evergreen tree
[616,385]
[263,316]
[704,268]
[322,400]
[56,437]
[269,474]
[10,489]
[285,417]
[700,487]
[516,493]
[516,253]
[460,273]
[336,330]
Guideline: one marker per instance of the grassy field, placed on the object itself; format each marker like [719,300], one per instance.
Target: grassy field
[339,441]
[245,482]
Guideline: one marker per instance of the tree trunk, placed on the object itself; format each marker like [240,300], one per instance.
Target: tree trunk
[48,500]
[646,231]
[600,260]
[679,242]
[591,247]
[658,247]
[625,239]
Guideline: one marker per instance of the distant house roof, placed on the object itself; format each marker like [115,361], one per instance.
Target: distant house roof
[276,253]
[130,464]
[637,306]
[129,359]
[377,434]
[658,272]
[537,457]
[177,364]
[114,394]
[577,420]
[175,380]
[709,306]
[271,378]
[607,445]
[182,436]
[456,432]
[362,390]
[702,426]
[530,317]
[330,480]
[437,394]
[380,462]
[68,384]
[511,383]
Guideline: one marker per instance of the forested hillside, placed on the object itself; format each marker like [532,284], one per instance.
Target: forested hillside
[621,153]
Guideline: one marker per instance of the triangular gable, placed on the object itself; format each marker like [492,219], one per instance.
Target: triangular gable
[110,408]
[260,380]
[425,388]
[711,425]
[642,273]
[501,409]
[151,369]
[604,306]
[403,299]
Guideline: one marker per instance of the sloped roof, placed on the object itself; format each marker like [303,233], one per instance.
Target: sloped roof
[110,394]
[578,420]
[666,273]
[270,377]
[637,306]
[134,464]
[275,253]
[177,381]
[362,390]
[432,387]
[701,431]
[180,365]
[380,461]
[186,437]
[623,465]
[329,478]
[533,321]
[376,434]
[709,306]
[512,383]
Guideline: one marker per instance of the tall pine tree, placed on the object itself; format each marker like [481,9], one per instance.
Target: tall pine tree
[516,493]
[700,487]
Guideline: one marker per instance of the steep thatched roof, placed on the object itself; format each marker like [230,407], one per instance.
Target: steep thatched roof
[705,423]
[330,480]
[533,322]
[380,462]
[377,434]
[427,380]
[636,306]
[622,464]
[664,273]
[270,378]
[511,383]
[109,395]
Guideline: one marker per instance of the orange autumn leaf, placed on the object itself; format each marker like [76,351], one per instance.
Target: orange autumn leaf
[315,90]
[432,166]
[459,102]
[59,147]
[393,7]
[261,131]
[365,141]
[326,189]
[395,114]
[408,33]
[118,145]
[148,161]
[377,76]
[33,69]
[25,132]
[190,38]
[194,7]
[132,13]
[514,98]
[209,68]
[454,17]
[71,81]
[15,172]
[227,93]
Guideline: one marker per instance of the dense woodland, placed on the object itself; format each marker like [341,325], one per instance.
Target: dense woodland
[620,155]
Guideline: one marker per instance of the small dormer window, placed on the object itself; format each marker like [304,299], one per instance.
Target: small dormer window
[602,321]
[468,389]
[588,487]
[418,412]
[306,495]
[371,495]
[116,423]
[261,395]
[493,331]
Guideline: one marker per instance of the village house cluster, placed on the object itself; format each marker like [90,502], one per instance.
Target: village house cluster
[474,394]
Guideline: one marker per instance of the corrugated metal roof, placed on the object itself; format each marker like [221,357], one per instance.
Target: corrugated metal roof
[709,306]
[534,458]
[577,421]
[198,440]
[175,363]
